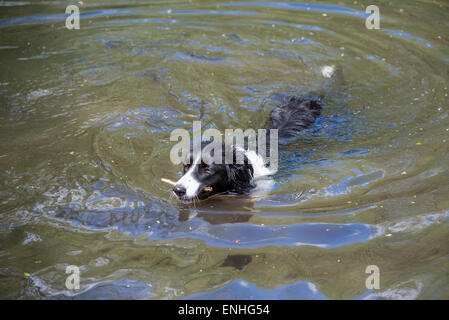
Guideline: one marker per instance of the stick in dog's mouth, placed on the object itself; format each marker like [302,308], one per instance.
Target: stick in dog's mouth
[168,181]
[207,189]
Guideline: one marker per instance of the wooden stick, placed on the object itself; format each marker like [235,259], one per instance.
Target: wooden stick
[168,181]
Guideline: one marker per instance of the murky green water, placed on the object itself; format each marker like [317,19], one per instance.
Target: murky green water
[85,121]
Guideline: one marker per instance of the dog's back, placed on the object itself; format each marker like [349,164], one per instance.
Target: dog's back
[294,115]
[299,112]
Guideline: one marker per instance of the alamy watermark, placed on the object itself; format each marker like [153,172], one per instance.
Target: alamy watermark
[73,20]
[373,20]
[72,282]
[373,280]
[213,151]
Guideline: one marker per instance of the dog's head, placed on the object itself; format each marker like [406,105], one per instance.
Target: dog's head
[203,178]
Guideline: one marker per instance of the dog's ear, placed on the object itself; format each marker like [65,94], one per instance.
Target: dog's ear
[239,177]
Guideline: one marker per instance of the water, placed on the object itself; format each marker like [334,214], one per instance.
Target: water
[85,122]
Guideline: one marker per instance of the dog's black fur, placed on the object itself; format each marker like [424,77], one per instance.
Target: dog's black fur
[290,119]
[293,116]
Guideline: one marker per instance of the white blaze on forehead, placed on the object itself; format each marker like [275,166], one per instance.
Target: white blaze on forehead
[189,182]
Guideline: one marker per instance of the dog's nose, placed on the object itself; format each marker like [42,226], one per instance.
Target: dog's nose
[179,190]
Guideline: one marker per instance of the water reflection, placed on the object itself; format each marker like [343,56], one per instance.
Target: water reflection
[123,289]
[210,223]
[244,290]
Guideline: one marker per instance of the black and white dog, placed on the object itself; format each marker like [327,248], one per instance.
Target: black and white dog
[202,179]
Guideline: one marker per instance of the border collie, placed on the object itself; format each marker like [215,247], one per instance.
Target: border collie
[201,180]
